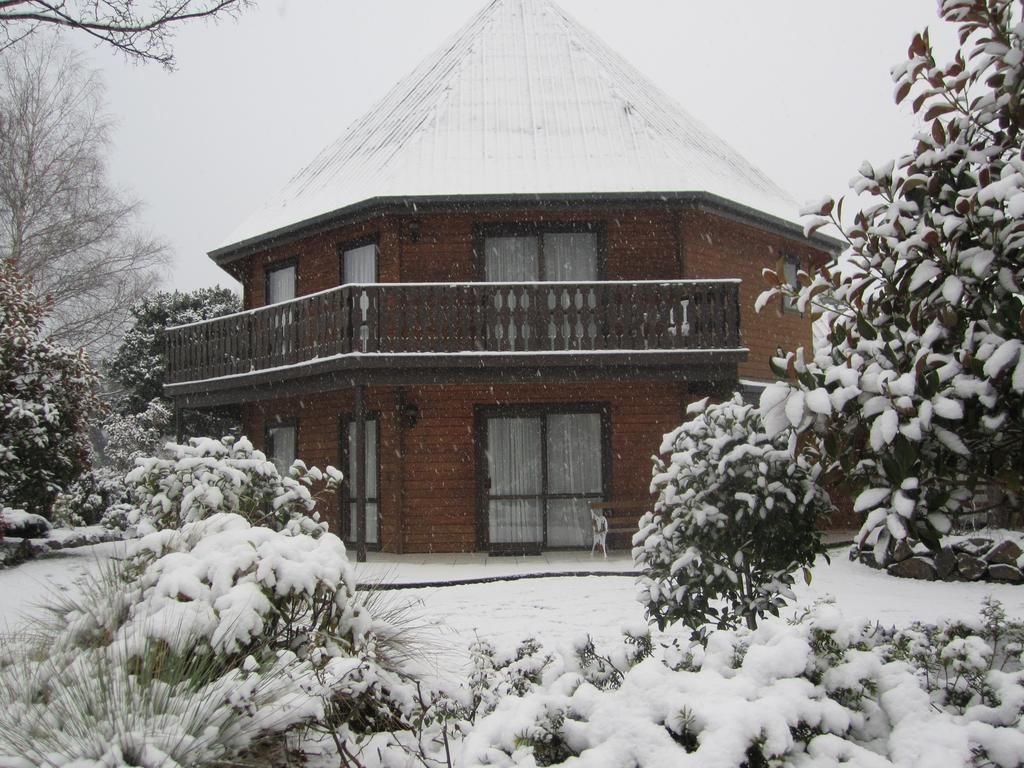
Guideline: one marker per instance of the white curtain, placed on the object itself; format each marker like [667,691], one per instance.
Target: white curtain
[282,447]
[513,462]
[371,481]
[360,264]
[574,467]
[281,285]
[511,259]
[570,256]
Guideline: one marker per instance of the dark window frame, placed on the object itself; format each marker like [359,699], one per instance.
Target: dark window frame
[344,497]
[348,245]
[537,229]
[482,413]
[276,422]
[276,266]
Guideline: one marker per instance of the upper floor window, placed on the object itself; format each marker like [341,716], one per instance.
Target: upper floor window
[541,256]
[359,264]
[281,283]
[790,270]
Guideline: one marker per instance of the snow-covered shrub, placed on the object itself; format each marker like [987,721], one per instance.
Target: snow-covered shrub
[20,524]
[118,517]
[207,642]
[100,495]
[87,499]
[47,395]
[813,693]
[918,396]
[228,475]
[508,672]
[736,516]
[135,435]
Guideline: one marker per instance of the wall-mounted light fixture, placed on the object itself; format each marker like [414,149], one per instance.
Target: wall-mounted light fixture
[414,231]
[408,413]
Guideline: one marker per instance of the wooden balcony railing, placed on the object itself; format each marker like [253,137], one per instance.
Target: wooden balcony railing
[452,318]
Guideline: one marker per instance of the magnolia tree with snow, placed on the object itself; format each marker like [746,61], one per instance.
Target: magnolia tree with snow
[208,476]
[736,517]
[918,395]
[47,394]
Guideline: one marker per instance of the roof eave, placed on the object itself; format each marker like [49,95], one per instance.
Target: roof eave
[227,254]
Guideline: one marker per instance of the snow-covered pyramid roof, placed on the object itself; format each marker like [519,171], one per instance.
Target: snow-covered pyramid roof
[521,101]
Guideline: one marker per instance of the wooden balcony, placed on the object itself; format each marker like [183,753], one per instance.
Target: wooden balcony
[432,332]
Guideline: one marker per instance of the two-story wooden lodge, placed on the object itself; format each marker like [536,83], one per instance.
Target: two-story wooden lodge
[494,293]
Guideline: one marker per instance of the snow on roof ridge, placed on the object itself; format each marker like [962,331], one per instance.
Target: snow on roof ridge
[521,100]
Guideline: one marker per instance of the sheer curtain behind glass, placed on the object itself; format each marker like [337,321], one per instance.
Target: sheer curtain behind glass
[511,259]
[514,469]
[574,467]
[371,481]
[570,256]
[280,285]
[360,264]
[282,447]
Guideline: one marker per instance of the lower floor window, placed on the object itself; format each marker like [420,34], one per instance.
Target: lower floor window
[542,471]
[282,445]
[350,488]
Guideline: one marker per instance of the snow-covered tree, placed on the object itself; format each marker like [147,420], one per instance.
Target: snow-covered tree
[47,395]
[918,395]
[139,364]
[736,517]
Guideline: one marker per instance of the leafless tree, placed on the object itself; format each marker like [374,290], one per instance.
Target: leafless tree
[140,30]
[62,221]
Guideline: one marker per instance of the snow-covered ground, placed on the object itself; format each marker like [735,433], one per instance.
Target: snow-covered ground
[25,587]
[556,609]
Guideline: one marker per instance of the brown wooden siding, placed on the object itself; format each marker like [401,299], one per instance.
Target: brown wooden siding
[641,242]
[714,247]
[428,475]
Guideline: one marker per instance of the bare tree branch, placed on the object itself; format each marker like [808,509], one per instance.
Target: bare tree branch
[140,30]
[61,221]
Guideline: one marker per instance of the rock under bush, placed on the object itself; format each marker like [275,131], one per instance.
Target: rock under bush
[974,559]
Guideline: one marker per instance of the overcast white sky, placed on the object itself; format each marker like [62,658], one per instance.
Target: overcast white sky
[799,87]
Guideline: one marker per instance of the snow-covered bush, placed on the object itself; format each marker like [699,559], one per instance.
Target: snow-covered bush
[23,525]
[101,496]
[87,499]
[815,693]
[207,642]
[736,516]
[228,475]
[47,395]
[135,435]
[918,396]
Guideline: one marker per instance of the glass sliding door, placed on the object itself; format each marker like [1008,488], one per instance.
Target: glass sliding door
[514,507]
[540,257]
[282,285]
[574,476]
[570,256]
[541,471]
[350,489]
[514,258]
